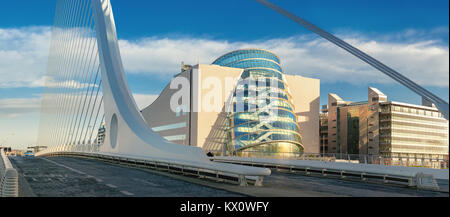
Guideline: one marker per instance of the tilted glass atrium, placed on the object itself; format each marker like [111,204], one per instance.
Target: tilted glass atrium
[263,119]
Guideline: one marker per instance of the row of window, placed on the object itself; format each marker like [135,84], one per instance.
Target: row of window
[261,82]
[274,136]
[255,106]
[262,72]
[408,125]
[413,141]
[249,127]
[283,149]
[263,93]
[418,119]
[420,132]
[247,117]
[255,63]
[411,111]
[264,115]
[414,136]
[245,54]
[255,95]
[418,149]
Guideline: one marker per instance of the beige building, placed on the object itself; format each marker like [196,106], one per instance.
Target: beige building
[380,127]
[323,131]
[306,97]
[203,129]
[207,118]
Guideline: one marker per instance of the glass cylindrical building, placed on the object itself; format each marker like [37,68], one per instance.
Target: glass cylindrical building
[263,119]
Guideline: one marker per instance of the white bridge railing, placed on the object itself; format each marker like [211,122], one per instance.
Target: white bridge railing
[423,178]
[416,160]
[221,172]
[9,181]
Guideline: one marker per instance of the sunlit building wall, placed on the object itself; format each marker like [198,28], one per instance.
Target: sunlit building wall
[279,113]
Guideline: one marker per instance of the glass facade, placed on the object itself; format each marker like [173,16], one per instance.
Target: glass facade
[353,130]
[263,119]
[407,130]
[323,132]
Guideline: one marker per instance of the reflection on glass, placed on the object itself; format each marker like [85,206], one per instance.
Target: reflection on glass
[263,119]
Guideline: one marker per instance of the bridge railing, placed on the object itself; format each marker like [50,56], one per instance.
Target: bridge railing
[423,178]
[9,179]
[221,172]
[410,161]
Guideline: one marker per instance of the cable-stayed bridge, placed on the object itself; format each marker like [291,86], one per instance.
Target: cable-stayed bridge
[86,87]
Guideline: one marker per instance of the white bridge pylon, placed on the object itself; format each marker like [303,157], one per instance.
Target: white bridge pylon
[126,129]
[84,41]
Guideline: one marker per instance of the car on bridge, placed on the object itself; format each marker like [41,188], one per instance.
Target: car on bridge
[29,154]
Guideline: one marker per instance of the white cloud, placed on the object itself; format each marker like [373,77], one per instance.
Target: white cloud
[426,62]
[14,107]
[144,100]
[19,118]
[24,53]
[50,82]
[414,53]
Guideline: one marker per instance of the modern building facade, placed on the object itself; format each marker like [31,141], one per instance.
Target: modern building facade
[100,135]
[258,108]
[385,128]
[409,130]
[323,130]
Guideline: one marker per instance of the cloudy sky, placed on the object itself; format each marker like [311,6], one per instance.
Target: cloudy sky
[411,36]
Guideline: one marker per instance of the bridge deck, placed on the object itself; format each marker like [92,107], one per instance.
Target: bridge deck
[64,176]
[68,177]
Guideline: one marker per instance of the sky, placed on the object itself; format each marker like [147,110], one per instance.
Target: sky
[411,36]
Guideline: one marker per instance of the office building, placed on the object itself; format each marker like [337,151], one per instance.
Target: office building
[323,130]
[390,129]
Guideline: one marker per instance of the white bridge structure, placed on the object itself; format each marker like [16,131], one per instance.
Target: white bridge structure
[86,85]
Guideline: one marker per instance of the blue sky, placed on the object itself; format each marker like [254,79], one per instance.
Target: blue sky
[225,19]
[410,36]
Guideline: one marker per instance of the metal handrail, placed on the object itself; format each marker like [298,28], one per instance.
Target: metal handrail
[9,179]
[416,161]
[409,178]
[226,170]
